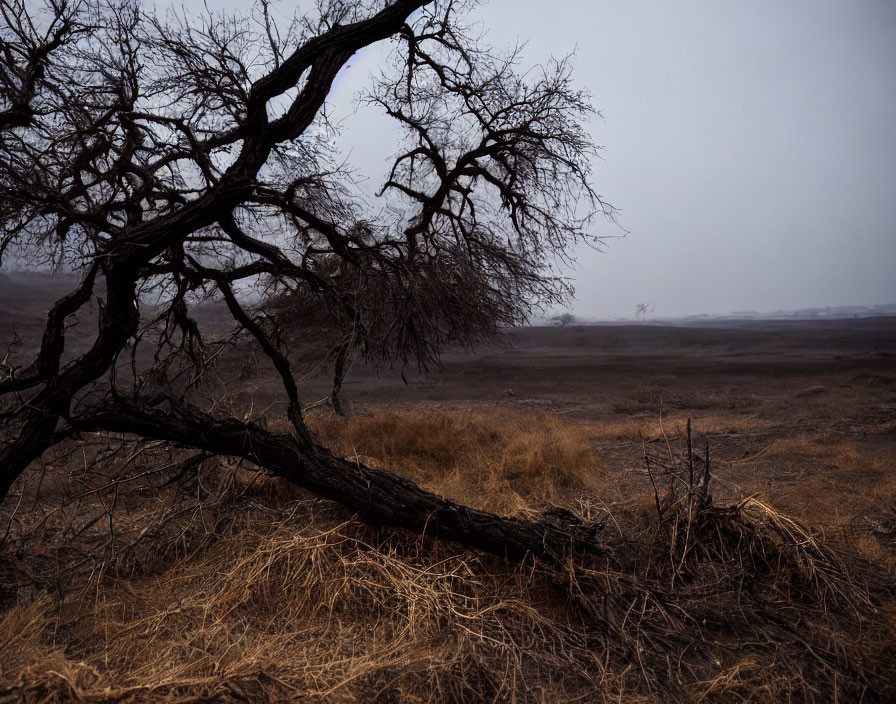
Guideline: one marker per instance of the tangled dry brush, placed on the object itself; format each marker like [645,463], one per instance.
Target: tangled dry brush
[123,585]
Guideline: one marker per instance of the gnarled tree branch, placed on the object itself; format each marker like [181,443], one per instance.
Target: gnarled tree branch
[181,161]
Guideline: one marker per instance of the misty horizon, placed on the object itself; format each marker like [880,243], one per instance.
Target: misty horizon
[16,283]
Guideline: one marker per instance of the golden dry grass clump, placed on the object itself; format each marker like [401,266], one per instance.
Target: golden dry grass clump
[494,458]
[244,590]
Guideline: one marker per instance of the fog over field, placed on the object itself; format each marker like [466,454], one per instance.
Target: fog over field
[748,147]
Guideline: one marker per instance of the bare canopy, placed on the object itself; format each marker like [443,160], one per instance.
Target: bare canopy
[188,158]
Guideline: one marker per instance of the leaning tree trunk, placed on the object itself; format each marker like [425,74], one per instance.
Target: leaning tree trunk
[380,496]
[151,227]
[340,368]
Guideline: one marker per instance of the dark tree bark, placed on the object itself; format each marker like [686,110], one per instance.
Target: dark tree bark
[379,496]
[184,160]
[340,369]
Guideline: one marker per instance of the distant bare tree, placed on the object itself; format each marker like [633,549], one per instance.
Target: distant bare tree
[190,158]
[642,310]
[563,319]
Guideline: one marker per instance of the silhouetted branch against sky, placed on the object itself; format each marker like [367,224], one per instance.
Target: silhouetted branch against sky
[751,142]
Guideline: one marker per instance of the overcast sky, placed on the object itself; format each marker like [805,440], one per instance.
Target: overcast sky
[749,146]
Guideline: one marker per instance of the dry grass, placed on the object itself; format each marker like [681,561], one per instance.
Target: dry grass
[292,612]
[247,590]
[656,426]
[832,482]
[496,459]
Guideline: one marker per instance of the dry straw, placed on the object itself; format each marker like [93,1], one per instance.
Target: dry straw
[230,586]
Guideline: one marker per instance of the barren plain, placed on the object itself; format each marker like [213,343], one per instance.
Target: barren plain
[127,574]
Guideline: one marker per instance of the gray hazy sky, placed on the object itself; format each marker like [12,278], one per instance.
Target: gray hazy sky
[750,146]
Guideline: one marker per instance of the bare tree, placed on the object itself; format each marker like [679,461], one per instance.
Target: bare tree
[563,319]
[642,310]
[180,159]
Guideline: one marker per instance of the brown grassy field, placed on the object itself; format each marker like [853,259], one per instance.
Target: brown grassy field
[128,576]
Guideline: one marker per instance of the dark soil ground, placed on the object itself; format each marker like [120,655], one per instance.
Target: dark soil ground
[803,411]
